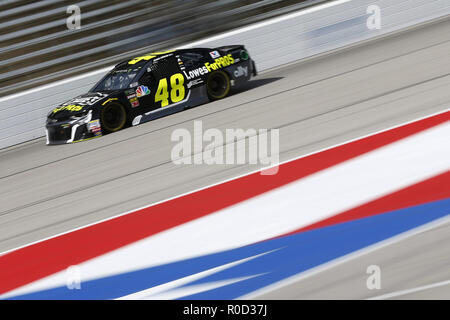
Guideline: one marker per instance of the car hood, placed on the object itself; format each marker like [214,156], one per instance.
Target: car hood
[77,106]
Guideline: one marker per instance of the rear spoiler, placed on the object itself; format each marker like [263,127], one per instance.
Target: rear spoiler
[229,49]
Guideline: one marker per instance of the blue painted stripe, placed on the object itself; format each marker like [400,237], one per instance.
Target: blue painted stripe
[296,253]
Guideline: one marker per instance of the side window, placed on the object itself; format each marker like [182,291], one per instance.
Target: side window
[191,59]
[165,67]
[147,79]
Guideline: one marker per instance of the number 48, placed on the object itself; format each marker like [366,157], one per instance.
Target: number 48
[177,91]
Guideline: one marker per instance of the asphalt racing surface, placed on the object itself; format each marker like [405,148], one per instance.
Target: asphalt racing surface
[413,268]
[316,103]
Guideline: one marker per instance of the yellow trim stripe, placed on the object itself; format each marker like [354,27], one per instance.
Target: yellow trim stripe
[87,139]
[111,99]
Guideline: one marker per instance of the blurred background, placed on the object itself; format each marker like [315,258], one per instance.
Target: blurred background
[37,46]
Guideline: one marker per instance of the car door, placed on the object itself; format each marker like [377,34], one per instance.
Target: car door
[170,82]
[144,99]
[193,67]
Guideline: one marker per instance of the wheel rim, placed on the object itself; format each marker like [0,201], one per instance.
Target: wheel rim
[218,85]
[113,117]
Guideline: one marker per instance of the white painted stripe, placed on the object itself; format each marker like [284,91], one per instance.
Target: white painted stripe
[348,257]
[165,290]
[198,288]
[413,290]
[293,206]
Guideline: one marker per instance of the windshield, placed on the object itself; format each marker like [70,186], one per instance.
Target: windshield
[117,79]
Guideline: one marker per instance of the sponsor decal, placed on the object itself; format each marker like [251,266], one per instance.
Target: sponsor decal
[214,54]
[196,73]
[149,56]
[134,102]
[142,91]
[95,127]
[85,101]
[134,84]
[71,108]
[130,94]
[241,71]
[220,63]
[194,83]
[138,59]
[180,63]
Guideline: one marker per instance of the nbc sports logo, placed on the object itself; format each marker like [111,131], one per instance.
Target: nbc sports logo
[142,91]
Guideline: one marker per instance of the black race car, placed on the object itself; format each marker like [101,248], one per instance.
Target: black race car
[149,87]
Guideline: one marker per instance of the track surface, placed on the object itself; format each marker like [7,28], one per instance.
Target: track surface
[315,103]
[413,268]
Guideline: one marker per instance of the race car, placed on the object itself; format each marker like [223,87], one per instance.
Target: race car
[148,87]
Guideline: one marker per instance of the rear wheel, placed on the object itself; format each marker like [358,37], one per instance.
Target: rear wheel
[113,117]
[218,85]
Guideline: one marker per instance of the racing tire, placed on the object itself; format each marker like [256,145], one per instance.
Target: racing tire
[218,85]
[113,117]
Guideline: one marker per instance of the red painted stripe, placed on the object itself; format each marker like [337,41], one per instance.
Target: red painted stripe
[44,258]
[433,189]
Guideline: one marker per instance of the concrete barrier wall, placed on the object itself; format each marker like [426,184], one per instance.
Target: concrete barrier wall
[271,43]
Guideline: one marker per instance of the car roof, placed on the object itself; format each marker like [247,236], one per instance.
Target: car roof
[149,57]
[146,57]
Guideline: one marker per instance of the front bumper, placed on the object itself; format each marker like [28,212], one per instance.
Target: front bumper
[71,131]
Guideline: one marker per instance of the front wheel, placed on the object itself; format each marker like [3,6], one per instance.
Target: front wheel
[113,117]
[218,85]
